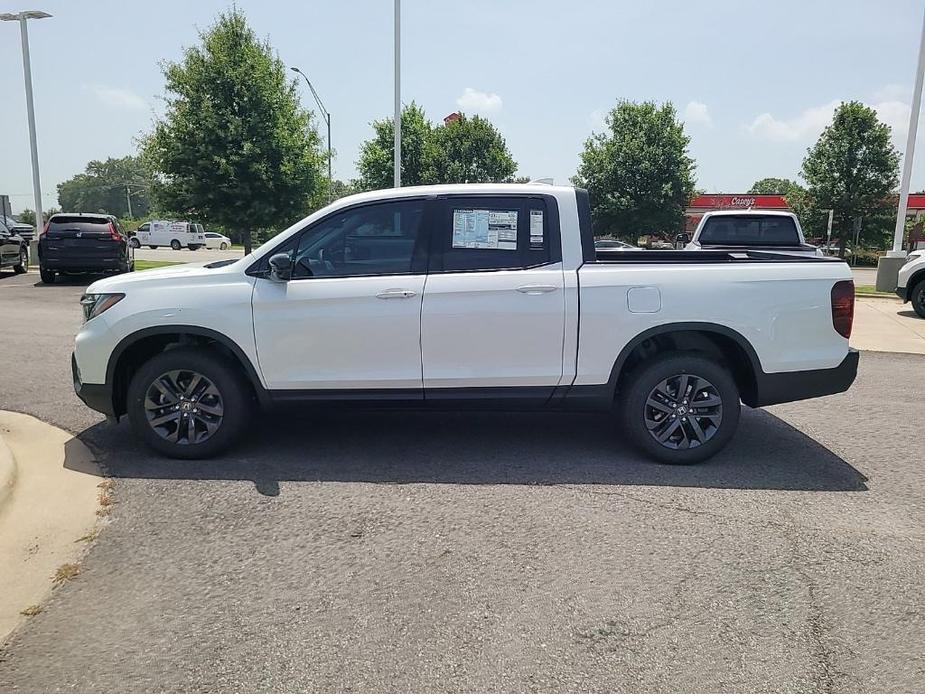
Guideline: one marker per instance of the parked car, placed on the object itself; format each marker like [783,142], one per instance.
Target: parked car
[216,240]
[911,282]
[80,242]
[613,245]
[772,230]
[14,250]
[498,300]
[165,232]
[27,231]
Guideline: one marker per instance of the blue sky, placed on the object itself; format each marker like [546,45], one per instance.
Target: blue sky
[755,82]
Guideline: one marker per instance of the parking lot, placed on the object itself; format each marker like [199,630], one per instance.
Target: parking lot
[365,551]
[185,255]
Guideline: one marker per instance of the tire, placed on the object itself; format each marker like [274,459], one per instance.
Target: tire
[658,381]
[23,266]
[48,276]
[152,247]
[135,243]
[174,370]
[917,297]
[175,245]
[223,246]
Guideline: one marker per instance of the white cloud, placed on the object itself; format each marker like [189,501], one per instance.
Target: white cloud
[124,99]
[805,126]
[896,115]
[697,113]
[479,102]
[894,92]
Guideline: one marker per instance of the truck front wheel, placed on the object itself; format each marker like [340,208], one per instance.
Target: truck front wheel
[680,408]
[917,297]
[188,403]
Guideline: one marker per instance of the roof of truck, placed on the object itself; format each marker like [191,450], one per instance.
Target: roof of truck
[750,211]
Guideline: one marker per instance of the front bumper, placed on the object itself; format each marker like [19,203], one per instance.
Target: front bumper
[96,396]
[902,294]
[788,386]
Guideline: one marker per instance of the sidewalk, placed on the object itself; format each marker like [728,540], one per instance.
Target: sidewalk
[48,501]
[887,325]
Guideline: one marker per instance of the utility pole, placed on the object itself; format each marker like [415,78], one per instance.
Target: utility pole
[22,18]
[128,201]
[397,127]
[888,267]
[327,119]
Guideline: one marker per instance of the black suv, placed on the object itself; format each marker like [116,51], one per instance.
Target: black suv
[14,250]
[82,242]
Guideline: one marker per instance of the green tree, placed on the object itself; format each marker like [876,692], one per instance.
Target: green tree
[775,186]
[105,186]
[376,161]
[852,169]
[638,172]
[468,150]
[27,216]
[235,148]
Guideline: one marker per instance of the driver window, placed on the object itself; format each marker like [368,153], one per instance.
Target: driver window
[378,239]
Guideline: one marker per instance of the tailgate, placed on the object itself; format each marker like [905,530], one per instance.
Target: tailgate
[78,237]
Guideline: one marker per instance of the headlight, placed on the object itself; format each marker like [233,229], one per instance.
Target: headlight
[94,304]
[915,255]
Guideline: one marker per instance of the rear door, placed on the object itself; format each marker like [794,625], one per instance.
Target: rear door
[494,305]
[78,238]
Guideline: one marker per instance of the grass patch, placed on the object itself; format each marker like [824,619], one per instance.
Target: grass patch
[90,536]
[152,264]
[65,573]
[871,290]
[31,611]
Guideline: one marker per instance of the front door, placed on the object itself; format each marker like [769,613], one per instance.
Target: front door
[494,308]
[350,317]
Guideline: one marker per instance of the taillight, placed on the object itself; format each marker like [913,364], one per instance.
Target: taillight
[843,307]
[113,234]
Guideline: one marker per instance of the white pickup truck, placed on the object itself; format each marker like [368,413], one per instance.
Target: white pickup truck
[465,295]
[772,230]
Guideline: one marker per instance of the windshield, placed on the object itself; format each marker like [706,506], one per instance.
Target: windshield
[749,230]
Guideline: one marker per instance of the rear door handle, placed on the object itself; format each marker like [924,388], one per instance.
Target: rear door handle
[537,288]
[395,294]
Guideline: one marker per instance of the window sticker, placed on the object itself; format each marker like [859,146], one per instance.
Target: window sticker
[536,229]
[491,229]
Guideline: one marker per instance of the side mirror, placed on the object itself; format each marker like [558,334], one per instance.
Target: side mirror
[281,267]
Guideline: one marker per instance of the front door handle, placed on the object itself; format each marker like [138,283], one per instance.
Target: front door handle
[395,294]
[537,288]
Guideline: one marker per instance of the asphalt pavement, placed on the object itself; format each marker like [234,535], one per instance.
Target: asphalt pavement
[440,552]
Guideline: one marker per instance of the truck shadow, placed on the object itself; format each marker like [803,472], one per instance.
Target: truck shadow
[400,447]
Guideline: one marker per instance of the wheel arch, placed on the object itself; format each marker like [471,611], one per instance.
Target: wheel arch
[136,348]
[710,338]
[918,276]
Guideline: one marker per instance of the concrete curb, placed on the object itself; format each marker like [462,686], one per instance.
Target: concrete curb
[54,503]
[7,472]
[892,297]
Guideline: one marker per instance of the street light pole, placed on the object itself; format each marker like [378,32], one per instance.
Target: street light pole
[888,266]
[22,18]
[397,128]
[327,119]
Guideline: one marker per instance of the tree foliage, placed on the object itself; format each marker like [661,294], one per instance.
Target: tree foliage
[775,186]
[638,172]
[376,163]
[467,150]
[104,187]
[852,169]
[235,148]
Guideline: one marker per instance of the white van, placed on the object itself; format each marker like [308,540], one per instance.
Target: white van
[164,232]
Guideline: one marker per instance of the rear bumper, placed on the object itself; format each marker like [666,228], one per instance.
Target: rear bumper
[95,396]
[81,264]
[775,388]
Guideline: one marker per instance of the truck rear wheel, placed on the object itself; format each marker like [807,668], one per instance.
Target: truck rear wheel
[188,403]
[175,245]
[917,297]
[680,408]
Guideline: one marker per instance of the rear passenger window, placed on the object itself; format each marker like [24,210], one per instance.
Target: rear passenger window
[494,233]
